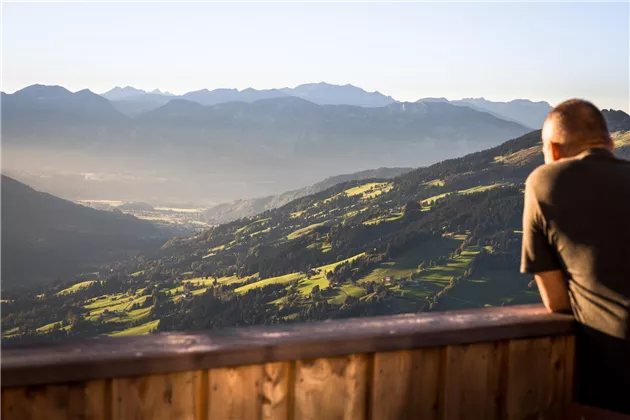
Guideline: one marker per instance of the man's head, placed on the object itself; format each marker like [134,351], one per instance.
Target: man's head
[572,127]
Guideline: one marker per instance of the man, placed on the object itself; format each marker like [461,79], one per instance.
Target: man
[576,242]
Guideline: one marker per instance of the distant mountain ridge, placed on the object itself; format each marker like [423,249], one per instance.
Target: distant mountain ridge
[128,92]
[132,101]
[326,94]
[523,111]
[259,148]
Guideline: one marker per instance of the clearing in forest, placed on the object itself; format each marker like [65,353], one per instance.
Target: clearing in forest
[76,287]
[407,264]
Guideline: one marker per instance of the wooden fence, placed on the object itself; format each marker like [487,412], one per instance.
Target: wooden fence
[497,363]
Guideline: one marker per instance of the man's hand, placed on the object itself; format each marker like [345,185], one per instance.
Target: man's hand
[553,291]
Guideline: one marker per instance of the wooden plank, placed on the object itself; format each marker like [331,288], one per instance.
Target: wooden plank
[331,389]
[114,357]
[554,403]
[236,393]
[569,370]
[36,403]
[97,402]
[407,385]
[276,390]
[203,395]
[473,385]
[85,401]
[530,377]
[166,396]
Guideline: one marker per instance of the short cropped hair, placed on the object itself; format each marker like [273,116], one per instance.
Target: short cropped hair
[578,123]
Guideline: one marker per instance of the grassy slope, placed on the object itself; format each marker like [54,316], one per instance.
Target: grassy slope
[139,330]
[407,264]
[76,287]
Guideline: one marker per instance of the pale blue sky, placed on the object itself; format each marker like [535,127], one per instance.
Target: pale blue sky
[501,51]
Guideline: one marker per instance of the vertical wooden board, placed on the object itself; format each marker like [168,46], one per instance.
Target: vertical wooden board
[554,401]
[569,371]
[89,400]
[275,390]
[472,388]
[235,393]
[203,395]
[406,384]
[15,404]
[37,402]
[333,388]
[167,396]
[79,400]
[530,377]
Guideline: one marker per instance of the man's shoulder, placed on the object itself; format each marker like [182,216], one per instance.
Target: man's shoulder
[547,174]
[547,179]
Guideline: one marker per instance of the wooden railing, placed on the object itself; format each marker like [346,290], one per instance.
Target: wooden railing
[509,363]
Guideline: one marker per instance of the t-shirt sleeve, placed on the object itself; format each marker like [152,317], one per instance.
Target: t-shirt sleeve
[537,255]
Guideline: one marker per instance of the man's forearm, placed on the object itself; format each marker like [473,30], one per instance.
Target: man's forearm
[553,291]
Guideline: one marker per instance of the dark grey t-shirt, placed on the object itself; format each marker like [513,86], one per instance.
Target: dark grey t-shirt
[577,219]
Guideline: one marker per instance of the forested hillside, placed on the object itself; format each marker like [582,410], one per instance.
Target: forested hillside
[46,238]
[228,212]
[442,237]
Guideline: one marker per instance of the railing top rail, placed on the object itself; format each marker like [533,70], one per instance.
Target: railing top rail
[109,357]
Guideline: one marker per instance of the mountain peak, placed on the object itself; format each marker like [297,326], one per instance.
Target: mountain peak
[323,93]
[118,93]
[43,91]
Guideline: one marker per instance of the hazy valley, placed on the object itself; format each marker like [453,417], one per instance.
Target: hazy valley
[186,153]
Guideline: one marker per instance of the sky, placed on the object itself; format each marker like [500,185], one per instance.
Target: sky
[500,50]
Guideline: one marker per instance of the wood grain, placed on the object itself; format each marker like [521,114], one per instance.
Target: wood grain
[331,389]
[169,396]
[236,393]
[473,381]
[530,378]
[84,401]
[277,395]
[407,384]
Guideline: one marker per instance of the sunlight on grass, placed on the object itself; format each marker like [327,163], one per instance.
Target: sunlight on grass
[76,287]
[139,330]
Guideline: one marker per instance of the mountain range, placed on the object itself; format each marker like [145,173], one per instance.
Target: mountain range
[227,151]
[523,111]
[132,101]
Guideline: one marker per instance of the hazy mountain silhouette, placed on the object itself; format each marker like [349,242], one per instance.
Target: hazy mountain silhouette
[260,148]
[51,114]
[129,92]
[132,101]
[523,111]
[44,237]
[217,96]
[326,94]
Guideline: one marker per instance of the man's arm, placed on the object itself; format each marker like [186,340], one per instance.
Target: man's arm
[552,286]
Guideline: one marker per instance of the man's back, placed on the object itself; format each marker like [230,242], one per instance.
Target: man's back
[580,211]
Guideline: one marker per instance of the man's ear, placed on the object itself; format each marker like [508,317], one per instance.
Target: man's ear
[556,151]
